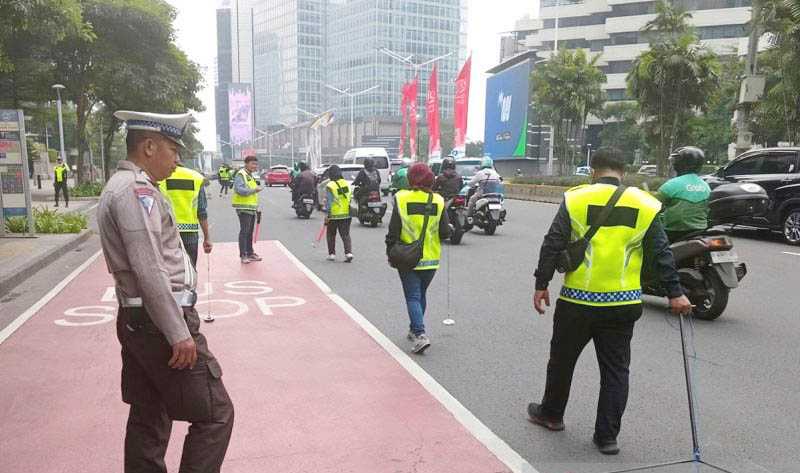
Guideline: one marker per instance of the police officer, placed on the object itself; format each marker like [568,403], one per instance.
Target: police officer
[60,173]
[245,201]
[601,299]
[168,372]
[185,189]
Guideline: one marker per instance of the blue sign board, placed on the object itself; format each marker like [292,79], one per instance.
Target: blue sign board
[505,134]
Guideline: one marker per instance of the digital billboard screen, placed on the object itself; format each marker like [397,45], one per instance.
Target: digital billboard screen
[240,113]
[505,134]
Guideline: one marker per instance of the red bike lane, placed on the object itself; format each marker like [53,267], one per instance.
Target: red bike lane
[315,387]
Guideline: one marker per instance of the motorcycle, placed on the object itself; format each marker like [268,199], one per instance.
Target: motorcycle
[371,209]
[489,212]
[457,214]
[707,263]
[304,206]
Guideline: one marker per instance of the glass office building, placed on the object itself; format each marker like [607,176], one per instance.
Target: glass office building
[222,79]
[422,29]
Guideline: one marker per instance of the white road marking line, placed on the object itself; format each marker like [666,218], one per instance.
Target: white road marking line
[478,429]
[17,323]
[790,253]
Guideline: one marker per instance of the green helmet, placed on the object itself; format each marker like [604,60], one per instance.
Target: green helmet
[487,163]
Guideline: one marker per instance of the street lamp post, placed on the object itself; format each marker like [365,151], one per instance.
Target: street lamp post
[58,88]
[291,138]
[407,59]
[352,97]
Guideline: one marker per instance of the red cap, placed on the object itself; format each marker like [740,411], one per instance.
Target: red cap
[420,176]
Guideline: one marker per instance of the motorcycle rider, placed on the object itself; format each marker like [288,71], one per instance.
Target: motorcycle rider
[485,178]
[368,180]
[685,197]
[304,183]
[400,178]
[449,182]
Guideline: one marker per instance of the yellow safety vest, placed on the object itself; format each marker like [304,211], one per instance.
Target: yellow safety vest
[182,188]
[61,172]
[245,202]
[610,273]
[340,207]
[224,174]
[411,204]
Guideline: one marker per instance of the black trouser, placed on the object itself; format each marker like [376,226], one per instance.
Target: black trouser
[159,395]
[62,186]
[224,185]
[190,243]
[247,222]
[611,329]
[343,226]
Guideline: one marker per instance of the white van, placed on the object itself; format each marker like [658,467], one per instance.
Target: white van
[381,159]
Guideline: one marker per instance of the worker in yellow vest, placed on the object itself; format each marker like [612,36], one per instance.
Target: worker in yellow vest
[601,296]
[245,201]
[338,209]
[406,226]
[60,174]
[224,174]
[185,190]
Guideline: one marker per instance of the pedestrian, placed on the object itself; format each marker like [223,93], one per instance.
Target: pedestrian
[601,296]
[60,174]
[168,372]
[185,189]
[245,201]
[338,213]
[224,176]
[411,209]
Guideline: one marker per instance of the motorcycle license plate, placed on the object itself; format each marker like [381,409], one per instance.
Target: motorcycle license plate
[724,256]
[308,201]
[374,204]
[495,206]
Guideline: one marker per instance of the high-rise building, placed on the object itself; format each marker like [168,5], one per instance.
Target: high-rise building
[612,28]
[222,78]
[421,29]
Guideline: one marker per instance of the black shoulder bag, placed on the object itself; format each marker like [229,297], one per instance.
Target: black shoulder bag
[406,256]
[571,258]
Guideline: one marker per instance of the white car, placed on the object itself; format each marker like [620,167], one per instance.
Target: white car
[349,174]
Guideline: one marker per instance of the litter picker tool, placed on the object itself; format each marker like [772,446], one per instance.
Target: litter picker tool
[208,317]
[449,320]
[696,459]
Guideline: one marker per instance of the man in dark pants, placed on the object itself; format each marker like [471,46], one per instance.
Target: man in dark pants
[60,174]
[601,299]
[168,372]
[245,201]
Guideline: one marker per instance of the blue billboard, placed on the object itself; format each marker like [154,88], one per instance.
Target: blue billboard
[505,134]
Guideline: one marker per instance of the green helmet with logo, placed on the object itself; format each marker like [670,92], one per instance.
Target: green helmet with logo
[487,163]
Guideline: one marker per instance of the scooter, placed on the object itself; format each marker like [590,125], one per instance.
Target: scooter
[372,209]
[304,206]
[457,214]
[489,212]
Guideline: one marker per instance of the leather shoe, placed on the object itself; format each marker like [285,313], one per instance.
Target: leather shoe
[535,415]
[609,447]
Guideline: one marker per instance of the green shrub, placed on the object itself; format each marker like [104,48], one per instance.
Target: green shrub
[637,180]
[87,189]
[16,224]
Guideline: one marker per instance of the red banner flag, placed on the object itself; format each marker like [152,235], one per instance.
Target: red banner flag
[461,112]
[404,123]
[432,109]
[413,89]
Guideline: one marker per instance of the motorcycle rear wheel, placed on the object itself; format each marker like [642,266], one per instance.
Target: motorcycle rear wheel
[490,228]
[456,236]
[709,301]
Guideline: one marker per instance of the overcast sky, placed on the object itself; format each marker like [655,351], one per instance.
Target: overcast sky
[196,35]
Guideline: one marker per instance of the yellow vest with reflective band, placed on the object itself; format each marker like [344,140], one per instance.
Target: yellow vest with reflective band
[245,202]
[340,207]
[182,188]
[224,174]
[61,172]
[411,205]
[610,273]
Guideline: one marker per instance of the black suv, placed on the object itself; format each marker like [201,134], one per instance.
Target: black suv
[777,170]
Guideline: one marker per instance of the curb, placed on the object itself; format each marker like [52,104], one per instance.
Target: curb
[38,263]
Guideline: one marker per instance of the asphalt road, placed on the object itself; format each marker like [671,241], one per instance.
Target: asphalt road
[494,358]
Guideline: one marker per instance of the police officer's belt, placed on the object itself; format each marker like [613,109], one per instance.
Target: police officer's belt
[185,298]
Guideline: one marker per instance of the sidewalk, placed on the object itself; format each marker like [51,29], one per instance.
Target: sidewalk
[21,257]
[315,386]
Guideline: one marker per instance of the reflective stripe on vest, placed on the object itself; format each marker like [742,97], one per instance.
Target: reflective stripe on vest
[610,273]
[340,207]
[412,206]
[245,202]
[60,171]
[182,188]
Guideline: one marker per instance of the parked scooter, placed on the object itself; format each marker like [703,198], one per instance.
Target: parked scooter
[304,206]
[708,266]
[372,209]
